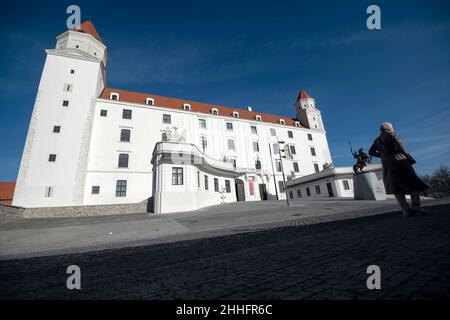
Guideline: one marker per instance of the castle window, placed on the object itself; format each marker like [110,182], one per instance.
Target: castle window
[310,137]
[292,150]
[258,165]
[282,121]
[48,192]
[278,165]
[216,185]
[227,186]
[167,119]
[346,184]
[56,129]
[313,151]
[72,71]
[186,107]
[316,168]
[203,143]
[51,157]
[231,145]
[281,186]
[126,114]
[299,193]
[202,123]
[177,176]
[253,130]
[235,114]
[255,146]
[296,169]
[258,118]
[308,192]
[121,188]
[291,194]
[114,96]
[297,124]
[164,136]
[276,148]
[229,126]
[95,190]
[206,182]
[67,87]
[149,101]
[125,135]
[123,160]
[103,113]
[317,189]
[65,103]
[273,133]
[290,134]
[215,111]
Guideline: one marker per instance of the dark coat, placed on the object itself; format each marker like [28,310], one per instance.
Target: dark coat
[399,176]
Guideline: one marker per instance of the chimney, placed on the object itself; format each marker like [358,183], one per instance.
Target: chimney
[249,108]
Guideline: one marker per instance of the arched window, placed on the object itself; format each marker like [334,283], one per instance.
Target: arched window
[186,107]
[282,121]
[258,118]
[125,135]
[258,165]
[215,111]
[297,124]
[235,114]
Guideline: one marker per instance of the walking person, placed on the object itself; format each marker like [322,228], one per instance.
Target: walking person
[399,176]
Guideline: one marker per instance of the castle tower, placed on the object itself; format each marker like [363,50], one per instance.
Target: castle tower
[53,166]
[307,113]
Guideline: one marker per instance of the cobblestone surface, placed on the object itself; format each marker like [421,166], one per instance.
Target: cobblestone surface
[321,261]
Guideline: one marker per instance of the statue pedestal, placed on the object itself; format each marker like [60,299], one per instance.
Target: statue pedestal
[366,186]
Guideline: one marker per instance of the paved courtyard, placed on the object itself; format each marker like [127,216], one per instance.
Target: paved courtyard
[296,260]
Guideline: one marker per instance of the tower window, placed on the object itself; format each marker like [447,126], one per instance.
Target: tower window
[65,103]
[52,158]
[125,135]
[103,113]
[95,190]
[167,119]
[123,160]
[290,134]
[121,188]
[56,129]
[126,114]
[48,192]
[72,71]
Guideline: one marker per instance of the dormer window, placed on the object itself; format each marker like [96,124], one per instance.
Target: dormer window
[215,111]
[114,96]
[235,114]
[258,118]
[297,124]
[186,107]
[282,121]
[149,101]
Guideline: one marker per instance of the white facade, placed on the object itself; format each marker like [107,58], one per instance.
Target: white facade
[100,124]
[330,183]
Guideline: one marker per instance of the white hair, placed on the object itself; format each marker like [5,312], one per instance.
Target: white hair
[387,126]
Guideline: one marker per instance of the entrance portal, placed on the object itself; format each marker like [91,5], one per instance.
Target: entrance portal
[240,190]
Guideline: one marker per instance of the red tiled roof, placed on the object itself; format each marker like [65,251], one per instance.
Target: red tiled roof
[7,190]
[303,95]
[174,103]
[88,27]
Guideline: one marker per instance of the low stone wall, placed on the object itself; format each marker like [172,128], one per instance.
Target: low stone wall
[10,213]
[86,211]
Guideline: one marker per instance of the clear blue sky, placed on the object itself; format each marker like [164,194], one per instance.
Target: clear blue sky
[240,53]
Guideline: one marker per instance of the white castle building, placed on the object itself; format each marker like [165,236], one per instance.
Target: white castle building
[89,144]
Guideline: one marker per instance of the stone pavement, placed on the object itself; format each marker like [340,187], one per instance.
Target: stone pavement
[312,261]
[50,236]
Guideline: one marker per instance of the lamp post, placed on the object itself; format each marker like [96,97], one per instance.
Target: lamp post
[282,170]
